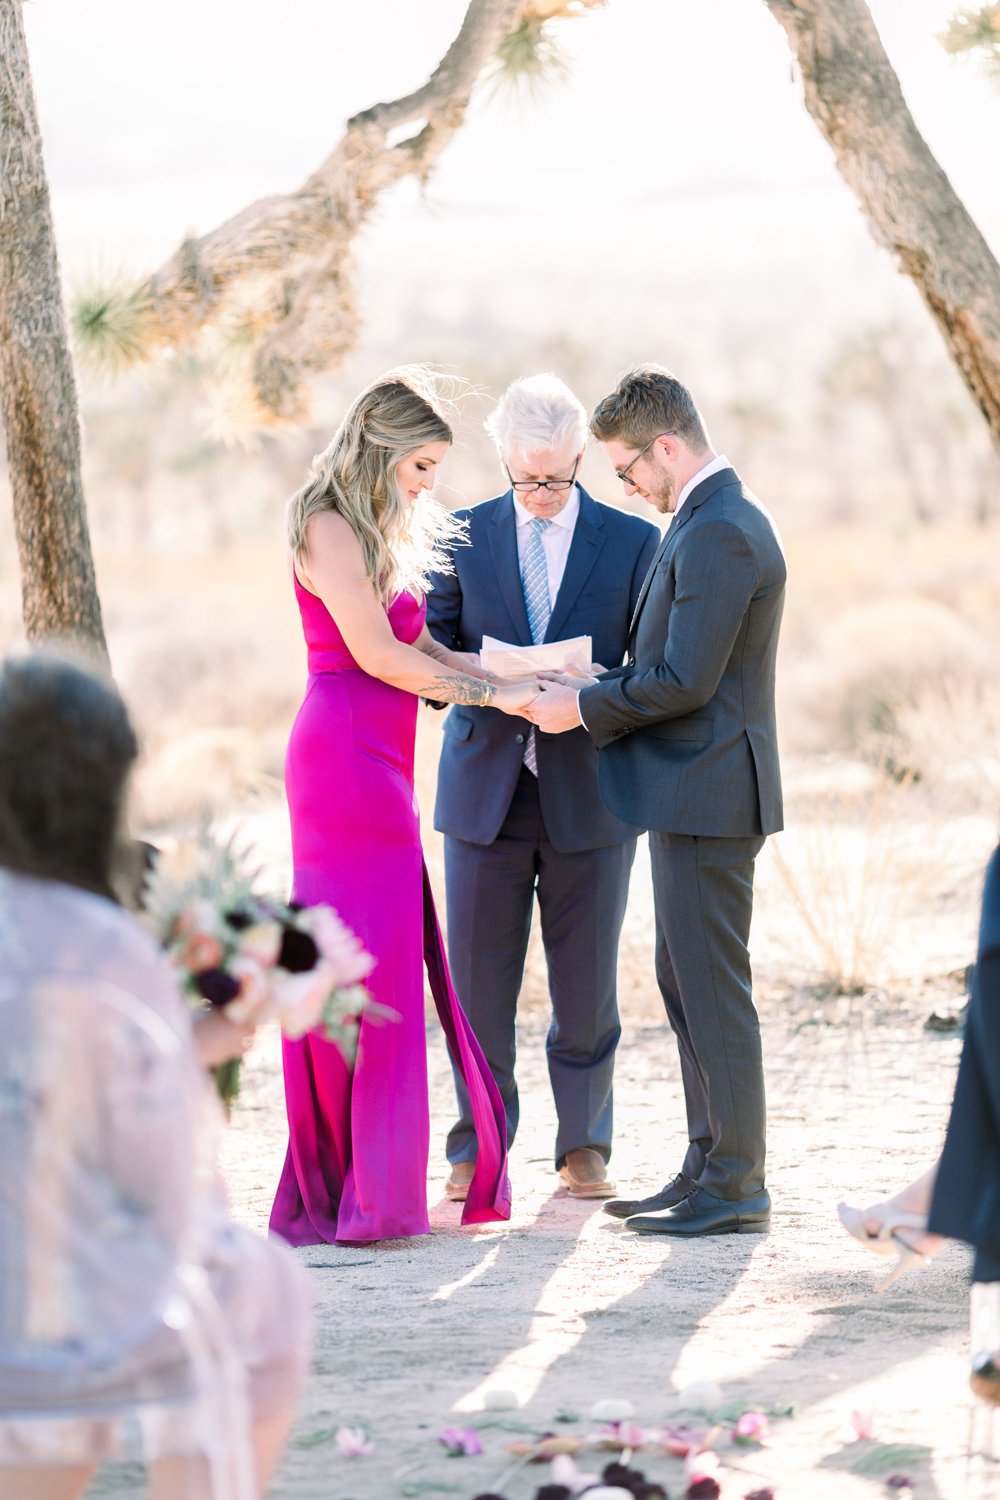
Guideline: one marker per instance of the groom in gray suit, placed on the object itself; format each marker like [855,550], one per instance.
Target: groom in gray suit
[687,748]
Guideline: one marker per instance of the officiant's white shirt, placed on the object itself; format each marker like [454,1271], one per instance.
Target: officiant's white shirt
[556,539]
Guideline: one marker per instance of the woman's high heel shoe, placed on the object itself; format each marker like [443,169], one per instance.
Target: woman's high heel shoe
[886,1240]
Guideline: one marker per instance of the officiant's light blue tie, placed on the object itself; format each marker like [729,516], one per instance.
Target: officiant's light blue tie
[535,582]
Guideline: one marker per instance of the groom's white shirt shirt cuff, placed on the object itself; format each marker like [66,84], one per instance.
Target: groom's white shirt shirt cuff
[714,466]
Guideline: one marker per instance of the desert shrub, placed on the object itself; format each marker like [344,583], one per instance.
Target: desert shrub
[877,665]
[848,870]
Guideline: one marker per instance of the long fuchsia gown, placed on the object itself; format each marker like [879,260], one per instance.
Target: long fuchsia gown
[356,1167]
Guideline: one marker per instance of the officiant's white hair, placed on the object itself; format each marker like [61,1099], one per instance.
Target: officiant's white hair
[537,414]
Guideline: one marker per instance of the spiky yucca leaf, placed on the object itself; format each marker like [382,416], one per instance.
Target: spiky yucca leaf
[527,59]
[109,320]
[975,31]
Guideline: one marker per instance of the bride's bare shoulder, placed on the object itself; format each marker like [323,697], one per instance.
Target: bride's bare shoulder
[328,532]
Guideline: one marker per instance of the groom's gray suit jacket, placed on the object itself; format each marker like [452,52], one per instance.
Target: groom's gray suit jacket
[686,730]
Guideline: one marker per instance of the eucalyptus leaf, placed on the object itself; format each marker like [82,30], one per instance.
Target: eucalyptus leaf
[502,1424]
[891,1456]
[313,1439]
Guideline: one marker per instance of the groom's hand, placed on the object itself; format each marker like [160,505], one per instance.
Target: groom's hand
[574,675]
[555,709]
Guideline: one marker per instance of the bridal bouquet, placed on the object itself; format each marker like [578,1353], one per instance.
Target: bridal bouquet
[255,958]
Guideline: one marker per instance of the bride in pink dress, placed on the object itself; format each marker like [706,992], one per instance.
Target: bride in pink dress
[364,535]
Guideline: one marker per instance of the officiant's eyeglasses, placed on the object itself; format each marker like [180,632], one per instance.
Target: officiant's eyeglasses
[519,485]
[623,474]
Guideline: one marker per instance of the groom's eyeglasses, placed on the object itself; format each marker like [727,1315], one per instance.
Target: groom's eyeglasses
[623,474]
[521,485]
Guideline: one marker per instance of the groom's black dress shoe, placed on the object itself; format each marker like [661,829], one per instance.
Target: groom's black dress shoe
[703,1213]
[625,1208]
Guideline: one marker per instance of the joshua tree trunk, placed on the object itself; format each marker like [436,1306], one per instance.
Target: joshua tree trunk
[37,388]
[854,96]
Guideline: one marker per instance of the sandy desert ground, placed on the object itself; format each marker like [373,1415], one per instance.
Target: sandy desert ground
[564,1306]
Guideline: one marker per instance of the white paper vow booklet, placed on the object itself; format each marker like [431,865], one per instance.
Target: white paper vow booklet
[524,661]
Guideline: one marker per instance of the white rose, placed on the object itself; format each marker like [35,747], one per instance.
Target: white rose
[253,1003]
[298,1000]
[611,1409]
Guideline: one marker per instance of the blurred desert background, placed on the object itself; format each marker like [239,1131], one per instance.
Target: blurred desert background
[670,199]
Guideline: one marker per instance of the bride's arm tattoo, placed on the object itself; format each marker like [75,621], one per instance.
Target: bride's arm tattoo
[460,689]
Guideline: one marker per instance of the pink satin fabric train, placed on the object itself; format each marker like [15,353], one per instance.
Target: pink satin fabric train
[356,1167]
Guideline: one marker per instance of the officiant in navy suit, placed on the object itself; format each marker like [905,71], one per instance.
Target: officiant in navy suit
[520,810]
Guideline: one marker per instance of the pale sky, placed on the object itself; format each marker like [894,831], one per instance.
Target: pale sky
[677,156]
[161,120]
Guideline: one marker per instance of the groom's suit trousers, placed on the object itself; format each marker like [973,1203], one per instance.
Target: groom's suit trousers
[703,890]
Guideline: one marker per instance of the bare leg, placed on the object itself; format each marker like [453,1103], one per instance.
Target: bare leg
[190,1478]
[63,1482]
[269,1438]
[187,1478]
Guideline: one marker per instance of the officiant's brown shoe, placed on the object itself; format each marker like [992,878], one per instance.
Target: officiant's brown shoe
[457,1186]
[585,1174]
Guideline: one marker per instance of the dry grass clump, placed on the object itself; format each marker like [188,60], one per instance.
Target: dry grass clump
[849,871]
[875,881]
[197,776]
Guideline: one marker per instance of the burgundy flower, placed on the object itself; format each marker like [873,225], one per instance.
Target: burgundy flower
[704,1489]
[899,1482]
[553,1492]
[238,918]
[298,952]
[619,1476]
[216,986]
[622,1476]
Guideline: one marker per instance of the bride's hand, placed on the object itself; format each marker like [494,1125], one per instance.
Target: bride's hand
[465,661]
[515,697]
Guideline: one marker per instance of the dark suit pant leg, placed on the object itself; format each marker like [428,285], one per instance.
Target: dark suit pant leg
[703,892]
[582,898]
[966,1204]
[489,893]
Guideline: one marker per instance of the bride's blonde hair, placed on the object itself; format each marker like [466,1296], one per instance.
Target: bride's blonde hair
[355,476]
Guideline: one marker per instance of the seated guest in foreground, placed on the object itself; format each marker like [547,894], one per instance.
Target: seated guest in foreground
[520,811]
[110,1205]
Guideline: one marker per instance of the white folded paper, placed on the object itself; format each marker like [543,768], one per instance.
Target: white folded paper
[524,661]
